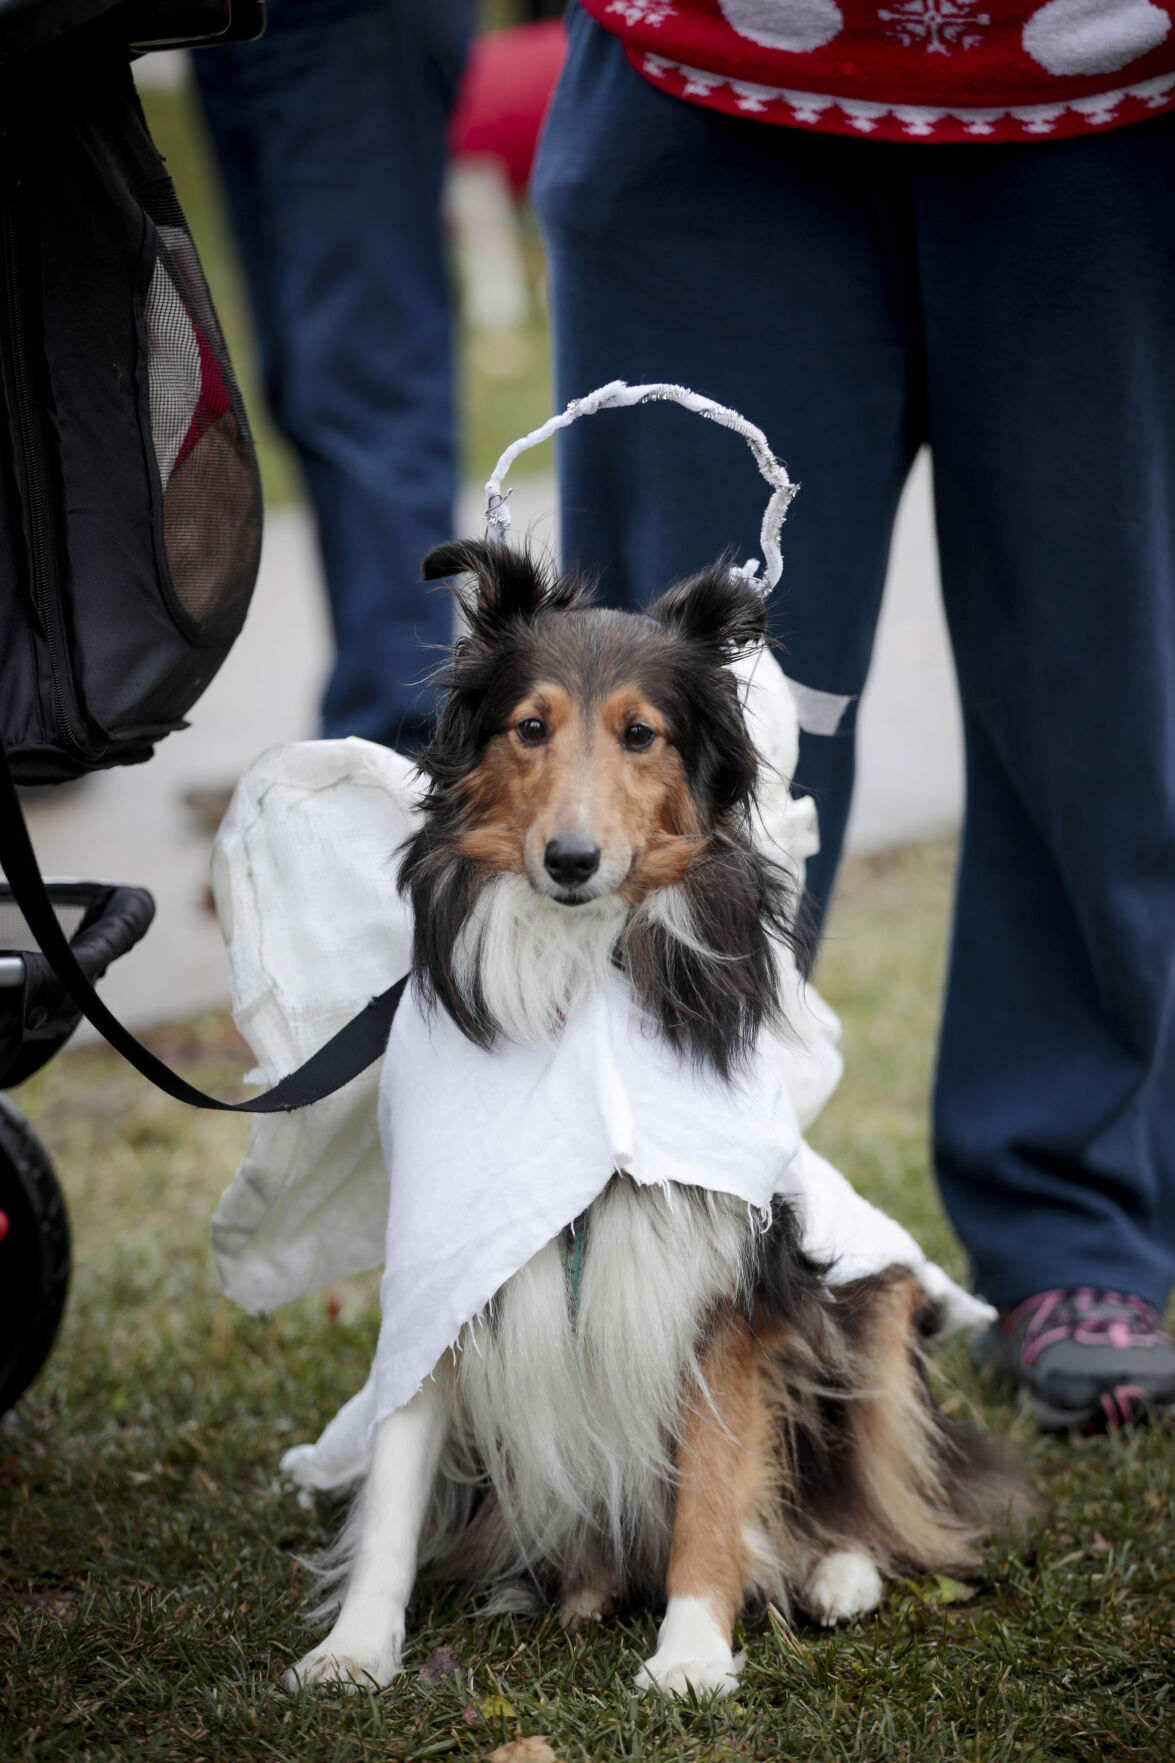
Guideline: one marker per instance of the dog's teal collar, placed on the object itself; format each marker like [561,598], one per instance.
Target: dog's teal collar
[572,1241]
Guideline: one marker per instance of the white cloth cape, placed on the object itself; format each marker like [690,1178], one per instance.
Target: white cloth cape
[489,1154]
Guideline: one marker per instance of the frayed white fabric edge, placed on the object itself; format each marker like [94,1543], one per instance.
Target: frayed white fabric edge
[340,1456]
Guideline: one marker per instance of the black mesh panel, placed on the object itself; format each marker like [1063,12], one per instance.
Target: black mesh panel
[211,503]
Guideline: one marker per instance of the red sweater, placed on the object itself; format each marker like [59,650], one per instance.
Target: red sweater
[909,70]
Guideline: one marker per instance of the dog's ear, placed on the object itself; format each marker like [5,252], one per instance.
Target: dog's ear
[718,608]
[510,585]
[722,613]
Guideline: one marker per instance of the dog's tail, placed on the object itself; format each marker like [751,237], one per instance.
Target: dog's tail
[868,1462]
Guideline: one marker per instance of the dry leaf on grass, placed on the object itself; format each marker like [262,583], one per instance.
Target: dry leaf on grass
[531,1750]
[439,1666]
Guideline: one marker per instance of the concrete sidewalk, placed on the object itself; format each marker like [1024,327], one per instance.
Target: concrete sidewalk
[130,825]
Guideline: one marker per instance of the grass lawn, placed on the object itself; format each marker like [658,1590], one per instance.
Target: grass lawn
[150,1588]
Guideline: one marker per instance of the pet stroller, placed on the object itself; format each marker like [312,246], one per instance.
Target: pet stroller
[37,1017]
[130,523]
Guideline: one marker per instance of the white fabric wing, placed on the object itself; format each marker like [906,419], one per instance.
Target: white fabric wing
[304,874]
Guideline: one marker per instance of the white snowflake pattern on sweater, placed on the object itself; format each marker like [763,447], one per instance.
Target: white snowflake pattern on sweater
[649,12]
[938,26]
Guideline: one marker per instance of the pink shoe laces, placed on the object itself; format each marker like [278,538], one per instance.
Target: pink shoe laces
[1114,1319]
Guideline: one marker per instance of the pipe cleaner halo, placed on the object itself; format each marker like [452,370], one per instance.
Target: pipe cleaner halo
[618,394]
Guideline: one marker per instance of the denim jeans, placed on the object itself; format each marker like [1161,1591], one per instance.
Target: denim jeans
[330,133]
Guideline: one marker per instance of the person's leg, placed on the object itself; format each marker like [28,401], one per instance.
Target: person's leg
[1048,276]
[769,270]
[331,134]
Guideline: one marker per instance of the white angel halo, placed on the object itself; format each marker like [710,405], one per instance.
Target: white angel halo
[818,712]
[618,394]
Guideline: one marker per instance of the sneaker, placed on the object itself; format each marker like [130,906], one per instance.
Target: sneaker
[1085,1359]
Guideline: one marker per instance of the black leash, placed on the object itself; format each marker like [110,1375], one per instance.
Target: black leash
[356,1046]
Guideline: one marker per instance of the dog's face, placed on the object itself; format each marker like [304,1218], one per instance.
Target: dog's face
[604,757]
[593,750]
[583,788]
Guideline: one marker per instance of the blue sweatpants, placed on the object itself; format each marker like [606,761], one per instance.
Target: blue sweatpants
[330,132]
[1014,307]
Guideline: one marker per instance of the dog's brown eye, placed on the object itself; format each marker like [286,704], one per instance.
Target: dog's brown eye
[638,736]
[532,731]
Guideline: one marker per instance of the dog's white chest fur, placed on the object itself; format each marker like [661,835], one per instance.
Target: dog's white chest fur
[572,1404]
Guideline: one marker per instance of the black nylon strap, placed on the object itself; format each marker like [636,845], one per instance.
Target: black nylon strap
[356,1046]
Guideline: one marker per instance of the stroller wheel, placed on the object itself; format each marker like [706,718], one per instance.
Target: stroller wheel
[34,1254]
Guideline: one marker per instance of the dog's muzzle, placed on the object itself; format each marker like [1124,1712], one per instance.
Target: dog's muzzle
[571,860]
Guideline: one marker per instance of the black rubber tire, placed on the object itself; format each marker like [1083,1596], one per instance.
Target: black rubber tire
[34,1255]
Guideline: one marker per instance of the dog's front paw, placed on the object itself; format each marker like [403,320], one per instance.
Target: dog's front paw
[706,1677]
[330,1663]
[692,1652]
[845,1584]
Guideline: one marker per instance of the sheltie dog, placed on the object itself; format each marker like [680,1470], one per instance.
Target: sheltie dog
[717,1426]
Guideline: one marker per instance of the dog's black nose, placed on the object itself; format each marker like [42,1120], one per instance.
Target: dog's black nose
[570,860]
